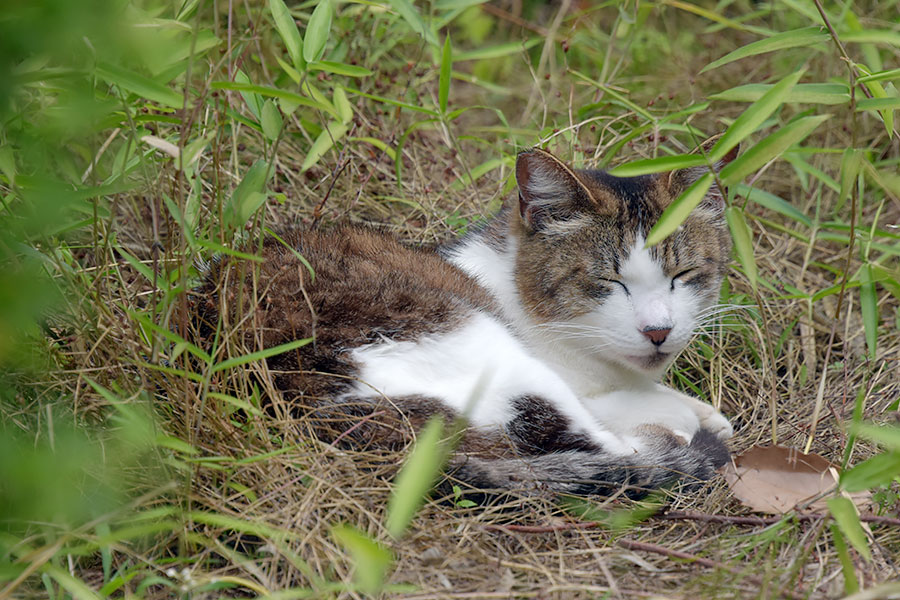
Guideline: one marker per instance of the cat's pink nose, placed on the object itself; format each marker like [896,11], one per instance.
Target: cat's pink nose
[657,335]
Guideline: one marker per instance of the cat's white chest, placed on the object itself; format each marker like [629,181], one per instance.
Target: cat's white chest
[469,369]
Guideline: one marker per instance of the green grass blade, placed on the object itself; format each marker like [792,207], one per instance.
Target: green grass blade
[868,304]
[287,29]
[851,583]
[140,85]
[393,102]
[769,148]
[260,355]
[754,116]
[77,588]
[137,265]
[416,477]
[678,211]
[446,69]
[220,249]
[317,31]
[743,244]
[802,93]
[780,41]
[170,336]
[847,519]
[239,525]
[659,165]
[371,559]
[297,255]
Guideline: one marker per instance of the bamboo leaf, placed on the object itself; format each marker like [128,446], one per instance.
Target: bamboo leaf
[248,93]
[659,165]
[317,31]
[880,76]
[446,69]
[340,68]
[245,87]
[378,144]
[868,303]
[411,15]
[772,202]
[270,119]
[743,245]
[754,116]
[847,519]
[878,104]
[416,477]
[323,143]
[498,51]
[780,41]
[342,105]
[140,85]
[287,29]
[248,196]
[675,214]
[883,434]
[260,355]
[8,164]
[802,93]
[879,470]
[769,148]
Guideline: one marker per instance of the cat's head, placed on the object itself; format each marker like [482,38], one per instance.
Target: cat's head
[584,275]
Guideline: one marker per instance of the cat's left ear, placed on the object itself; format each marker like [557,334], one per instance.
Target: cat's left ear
[680,180]
[549,190]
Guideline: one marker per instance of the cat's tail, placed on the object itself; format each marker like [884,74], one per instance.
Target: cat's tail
[593,472]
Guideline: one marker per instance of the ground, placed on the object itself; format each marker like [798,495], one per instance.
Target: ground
[179,484]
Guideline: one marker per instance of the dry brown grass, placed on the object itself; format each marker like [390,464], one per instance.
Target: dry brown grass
[264,471]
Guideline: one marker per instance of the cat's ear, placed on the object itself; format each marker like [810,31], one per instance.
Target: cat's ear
[549,191]
[680,180]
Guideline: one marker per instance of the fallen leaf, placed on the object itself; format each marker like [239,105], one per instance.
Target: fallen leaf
[776,480]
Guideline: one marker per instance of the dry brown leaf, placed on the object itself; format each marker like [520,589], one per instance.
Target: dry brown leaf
[776,480]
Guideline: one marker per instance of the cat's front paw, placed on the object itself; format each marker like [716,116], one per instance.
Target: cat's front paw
[716,423]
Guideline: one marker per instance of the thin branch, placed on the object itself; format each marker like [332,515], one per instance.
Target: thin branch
[694,516]
[706,562]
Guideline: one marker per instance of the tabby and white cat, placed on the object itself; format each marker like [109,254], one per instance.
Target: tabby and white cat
[549,330]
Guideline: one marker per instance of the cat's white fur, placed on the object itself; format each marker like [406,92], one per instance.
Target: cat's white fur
[598,370]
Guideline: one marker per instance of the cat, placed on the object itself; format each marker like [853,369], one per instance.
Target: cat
[549,329]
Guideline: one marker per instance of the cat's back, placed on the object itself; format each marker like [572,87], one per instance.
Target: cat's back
[346,286]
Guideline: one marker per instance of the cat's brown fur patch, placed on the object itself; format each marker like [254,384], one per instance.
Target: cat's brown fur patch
[366,285]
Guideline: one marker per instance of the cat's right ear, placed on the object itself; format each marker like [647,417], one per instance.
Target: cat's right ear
[548,189]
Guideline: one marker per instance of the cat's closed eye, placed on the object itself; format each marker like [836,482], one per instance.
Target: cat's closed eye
[616,281]
[680,277]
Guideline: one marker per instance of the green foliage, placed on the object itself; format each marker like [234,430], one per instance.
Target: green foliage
[140,139]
